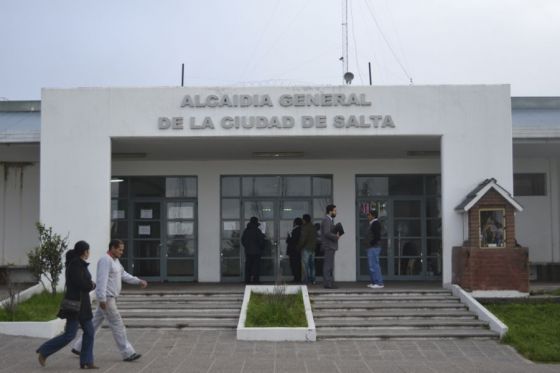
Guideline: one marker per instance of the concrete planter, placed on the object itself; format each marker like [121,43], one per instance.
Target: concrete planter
[276,334]
[37,329]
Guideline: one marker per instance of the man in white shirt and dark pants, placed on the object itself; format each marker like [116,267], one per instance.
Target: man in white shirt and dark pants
[110,274]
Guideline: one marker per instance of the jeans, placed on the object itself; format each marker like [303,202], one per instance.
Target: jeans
[308,259]
[70,330]
[113,316]
[373,265]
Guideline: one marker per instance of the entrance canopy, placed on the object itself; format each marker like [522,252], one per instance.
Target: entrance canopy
[228,148]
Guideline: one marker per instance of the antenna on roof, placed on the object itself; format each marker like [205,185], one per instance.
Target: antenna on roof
[347,76]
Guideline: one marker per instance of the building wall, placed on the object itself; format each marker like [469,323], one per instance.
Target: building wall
[538,225]
[19,210]
[77,125]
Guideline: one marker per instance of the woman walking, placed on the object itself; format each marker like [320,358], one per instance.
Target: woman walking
[78,286]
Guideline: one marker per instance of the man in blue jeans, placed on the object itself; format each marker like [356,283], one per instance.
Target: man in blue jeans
[374,241]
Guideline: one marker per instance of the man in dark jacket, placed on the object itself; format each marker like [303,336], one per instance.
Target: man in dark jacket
[374,241]
[329,244]
[253,241]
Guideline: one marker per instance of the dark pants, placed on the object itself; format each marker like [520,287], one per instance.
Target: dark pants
[295,265]
[328,268]
[252,268]
[70,330]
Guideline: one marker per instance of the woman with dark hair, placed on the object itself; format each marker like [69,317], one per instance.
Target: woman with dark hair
[78,286]
[293,251]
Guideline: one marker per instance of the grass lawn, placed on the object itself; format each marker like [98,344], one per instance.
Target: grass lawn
[534,329]
[276,310]
[40,307]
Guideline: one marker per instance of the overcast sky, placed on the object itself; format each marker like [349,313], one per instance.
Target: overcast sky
[138,43]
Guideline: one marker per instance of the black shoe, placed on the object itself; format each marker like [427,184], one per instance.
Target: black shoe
[133,357]
[75,352]
[331,287]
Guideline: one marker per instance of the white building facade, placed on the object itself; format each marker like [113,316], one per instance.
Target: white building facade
[176,173]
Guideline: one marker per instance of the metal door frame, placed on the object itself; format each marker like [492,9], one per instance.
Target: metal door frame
[389,227]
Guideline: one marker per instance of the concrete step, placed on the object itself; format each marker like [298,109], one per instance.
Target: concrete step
[179,305]
[180,323]
[383,298]
[384,291]
[186,297]
[386,305]
[414,323]
[186,290]
[408,333]
[193,313]
[383,313]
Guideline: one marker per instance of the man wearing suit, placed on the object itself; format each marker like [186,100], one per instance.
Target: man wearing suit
[329,244]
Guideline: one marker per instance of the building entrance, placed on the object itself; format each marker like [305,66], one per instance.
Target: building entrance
[410,215]
[276,201]
[156,219]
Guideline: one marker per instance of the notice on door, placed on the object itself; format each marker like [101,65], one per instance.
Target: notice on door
[144,230]
[146,214]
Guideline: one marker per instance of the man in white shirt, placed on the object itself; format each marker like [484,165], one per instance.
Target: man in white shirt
[110,274]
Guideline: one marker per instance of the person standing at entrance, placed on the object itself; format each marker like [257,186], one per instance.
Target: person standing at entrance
[329,244]
[293,250]
[110,274]
[374,241]
[253,241]
[307,246]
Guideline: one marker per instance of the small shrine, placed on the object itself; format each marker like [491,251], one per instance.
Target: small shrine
[490,259]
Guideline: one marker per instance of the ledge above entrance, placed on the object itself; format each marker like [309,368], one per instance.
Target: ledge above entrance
[217,148]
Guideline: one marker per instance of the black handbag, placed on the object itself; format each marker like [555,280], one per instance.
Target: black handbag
[69,305]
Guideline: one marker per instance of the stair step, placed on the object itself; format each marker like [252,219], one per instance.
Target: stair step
[185,291]
[385,291]
[375,313]
[382,298]
[404,333]
[399,323]
[182,297]
[157,314]
[396,305]
[180,323]
[179,305]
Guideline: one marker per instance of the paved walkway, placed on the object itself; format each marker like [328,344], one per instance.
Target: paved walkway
[219,351]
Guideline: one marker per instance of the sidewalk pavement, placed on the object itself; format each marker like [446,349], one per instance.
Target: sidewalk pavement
[219,351]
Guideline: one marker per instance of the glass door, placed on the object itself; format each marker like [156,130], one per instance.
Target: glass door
[276,201]
[290,209]
[407,239]
[147,240]
[180,249]
[401,237]
[267,211]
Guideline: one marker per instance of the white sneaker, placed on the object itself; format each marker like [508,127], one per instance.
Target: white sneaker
[377,286]
[371,286]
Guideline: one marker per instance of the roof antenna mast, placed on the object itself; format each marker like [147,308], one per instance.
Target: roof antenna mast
[347,75]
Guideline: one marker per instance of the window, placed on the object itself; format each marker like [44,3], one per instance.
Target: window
[529,184]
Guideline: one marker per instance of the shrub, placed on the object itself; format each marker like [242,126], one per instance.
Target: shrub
[46,259]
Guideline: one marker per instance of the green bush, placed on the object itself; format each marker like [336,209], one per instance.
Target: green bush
[40,307]
[276,310]
[46,259]
[534,329]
